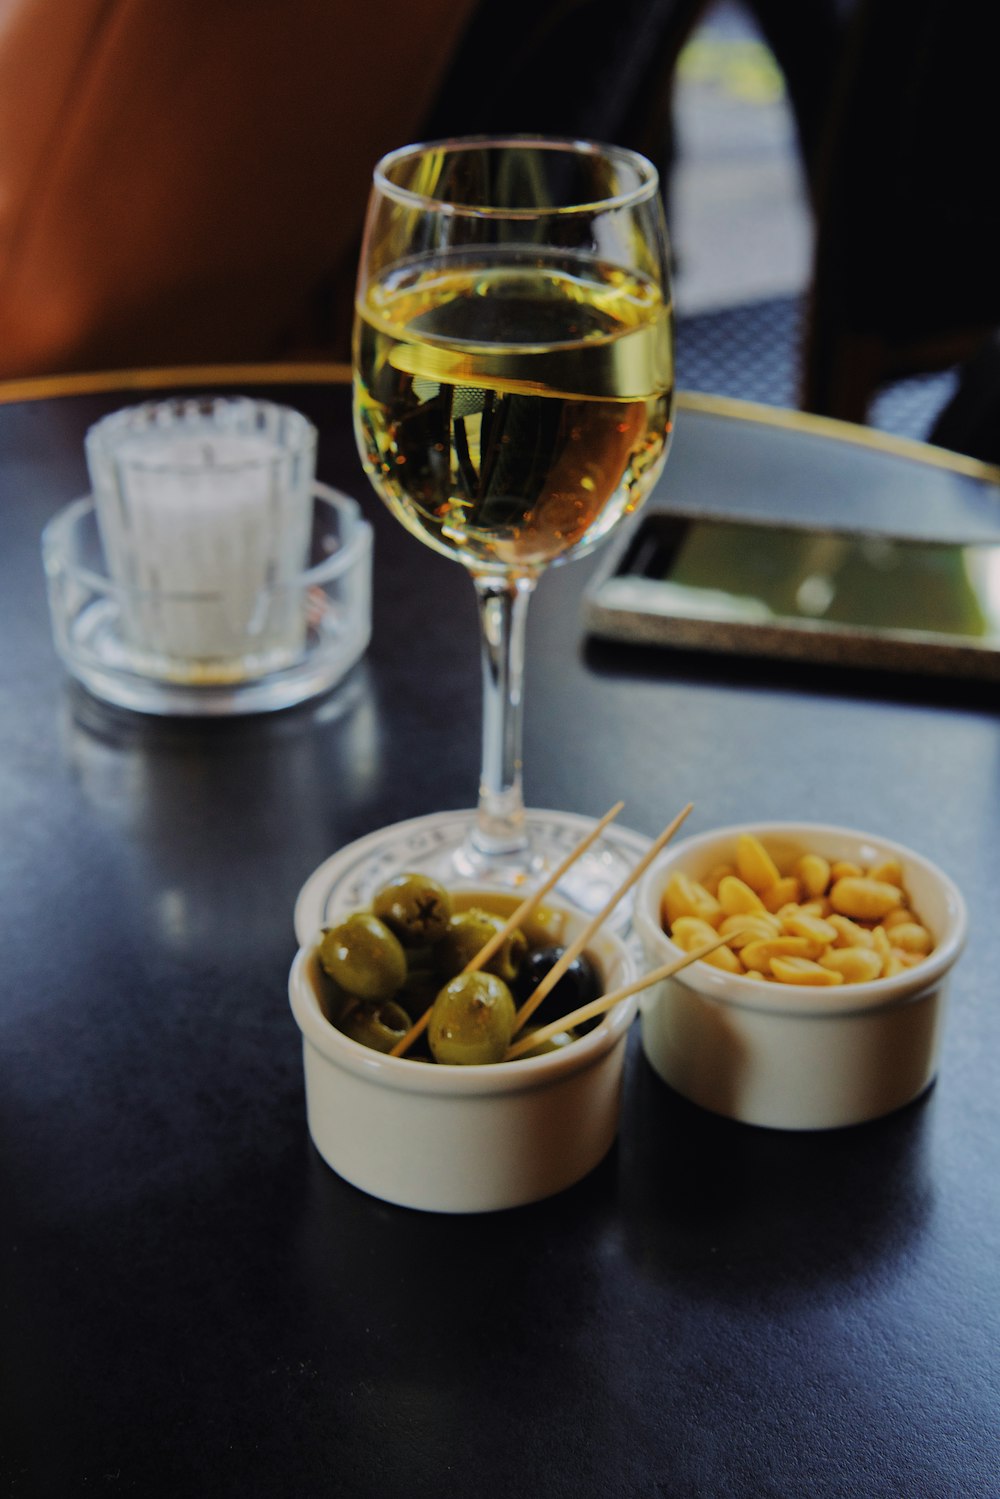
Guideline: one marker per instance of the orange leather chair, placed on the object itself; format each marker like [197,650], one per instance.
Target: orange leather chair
[185,180]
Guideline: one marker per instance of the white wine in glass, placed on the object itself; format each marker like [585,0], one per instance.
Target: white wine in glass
[513,373]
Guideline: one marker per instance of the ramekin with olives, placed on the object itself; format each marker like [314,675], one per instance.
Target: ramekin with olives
[459,1139]
[387,966]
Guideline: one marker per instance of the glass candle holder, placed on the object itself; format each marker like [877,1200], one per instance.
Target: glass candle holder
[204,506]
[89,609]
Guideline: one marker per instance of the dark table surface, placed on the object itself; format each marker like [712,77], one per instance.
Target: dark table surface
[194,1304]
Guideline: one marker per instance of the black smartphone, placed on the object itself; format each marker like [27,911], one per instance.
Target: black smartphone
[842,597]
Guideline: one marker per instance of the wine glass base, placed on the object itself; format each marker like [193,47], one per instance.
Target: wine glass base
[437,845]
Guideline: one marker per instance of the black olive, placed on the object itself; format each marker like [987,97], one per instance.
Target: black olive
[578,985]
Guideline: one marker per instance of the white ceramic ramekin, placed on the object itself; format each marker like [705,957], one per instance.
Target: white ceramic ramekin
[792,1057]
[465,1139]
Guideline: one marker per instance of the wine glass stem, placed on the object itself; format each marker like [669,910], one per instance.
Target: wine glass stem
[503,608]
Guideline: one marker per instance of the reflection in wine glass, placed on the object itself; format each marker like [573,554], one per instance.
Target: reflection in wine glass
[513,362]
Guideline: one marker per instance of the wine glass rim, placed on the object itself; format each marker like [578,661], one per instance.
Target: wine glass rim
[646,188]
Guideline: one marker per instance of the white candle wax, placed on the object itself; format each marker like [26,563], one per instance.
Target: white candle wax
[209,533]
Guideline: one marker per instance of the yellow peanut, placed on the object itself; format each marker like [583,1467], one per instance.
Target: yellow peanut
[762,955]
[754,864]
[715,874]
[804,971]
[864,898]
[804,924]
[691,932]
[907,959]
[881,945]
[910,937]
[814,874]
[900,917]
[849,934]
[684,896]
[736,896]
[724,958]
[890,871]
[857,965]
[844,869]
[748,927]
[783,892]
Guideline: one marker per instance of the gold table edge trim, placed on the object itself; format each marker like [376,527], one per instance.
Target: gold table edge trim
[45,387]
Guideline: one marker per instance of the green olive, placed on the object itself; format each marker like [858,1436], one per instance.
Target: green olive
[470,930]
[364,957]
[472,1020]
[415,907]
[554,1043]
[334,1001]
[379,1024]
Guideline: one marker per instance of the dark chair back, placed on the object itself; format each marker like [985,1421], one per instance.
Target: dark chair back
[605,69]
[908,211]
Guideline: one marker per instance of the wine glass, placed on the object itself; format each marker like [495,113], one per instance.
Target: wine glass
[513,399]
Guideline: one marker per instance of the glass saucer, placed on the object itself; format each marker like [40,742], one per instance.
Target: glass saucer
[347,880]
[89,609]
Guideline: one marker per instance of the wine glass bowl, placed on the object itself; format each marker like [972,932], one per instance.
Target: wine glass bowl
[513,380]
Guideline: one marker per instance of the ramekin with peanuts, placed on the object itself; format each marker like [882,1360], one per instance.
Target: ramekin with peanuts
[811,921]
[825,1006]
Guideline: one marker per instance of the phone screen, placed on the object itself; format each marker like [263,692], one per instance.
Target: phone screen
[751,573]
[829,596]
